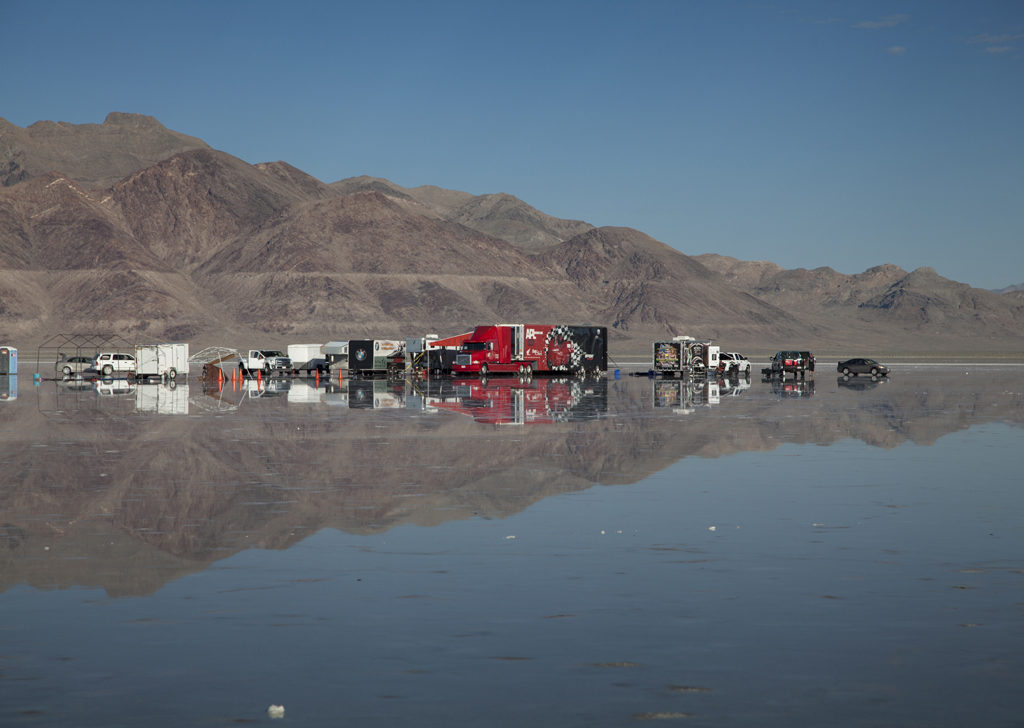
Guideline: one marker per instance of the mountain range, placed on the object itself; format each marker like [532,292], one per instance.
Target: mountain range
[129,228]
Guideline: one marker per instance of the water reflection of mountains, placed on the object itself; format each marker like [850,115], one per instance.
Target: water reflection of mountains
[109,495]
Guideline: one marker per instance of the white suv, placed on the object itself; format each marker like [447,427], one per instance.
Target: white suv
[730,361]
[109,362]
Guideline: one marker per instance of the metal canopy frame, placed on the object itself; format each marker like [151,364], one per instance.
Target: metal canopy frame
[61,346]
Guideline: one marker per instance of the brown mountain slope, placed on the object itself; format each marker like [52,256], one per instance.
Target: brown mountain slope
[509,218]
[500,215]
[186,207]
[365,260]
[51,223]
[364,233]
[645,290]
[95,155]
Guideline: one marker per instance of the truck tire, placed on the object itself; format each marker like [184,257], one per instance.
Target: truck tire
[483,371]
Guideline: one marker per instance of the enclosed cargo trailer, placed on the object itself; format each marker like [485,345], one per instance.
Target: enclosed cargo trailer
[166,361]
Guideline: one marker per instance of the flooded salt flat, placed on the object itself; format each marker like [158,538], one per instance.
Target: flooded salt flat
[556,553]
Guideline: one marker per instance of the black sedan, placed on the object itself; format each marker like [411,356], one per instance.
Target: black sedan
[852,367]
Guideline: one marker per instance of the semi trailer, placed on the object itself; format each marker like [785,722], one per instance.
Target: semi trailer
[529,349]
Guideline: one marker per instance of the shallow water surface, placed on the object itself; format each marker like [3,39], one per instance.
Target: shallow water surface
[551,553]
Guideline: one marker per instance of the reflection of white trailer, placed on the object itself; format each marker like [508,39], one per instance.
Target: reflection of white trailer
[301,392]
[166,361]
[162,399]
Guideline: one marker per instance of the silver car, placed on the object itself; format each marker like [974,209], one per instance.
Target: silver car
[70,365]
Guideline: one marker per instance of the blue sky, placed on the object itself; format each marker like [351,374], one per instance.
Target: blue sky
[846,134]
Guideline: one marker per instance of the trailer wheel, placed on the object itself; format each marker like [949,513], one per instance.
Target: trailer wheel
[172,373]
[483,371]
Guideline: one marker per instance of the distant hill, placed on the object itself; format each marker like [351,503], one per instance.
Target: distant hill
[1010,289]
[129,228]
[94,155]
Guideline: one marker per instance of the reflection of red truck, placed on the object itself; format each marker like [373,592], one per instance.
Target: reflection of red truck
[533,348]
[527,401]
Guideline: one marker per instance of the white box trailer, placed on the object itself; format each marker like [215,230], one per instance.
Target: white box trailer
[165,361]
[302,354]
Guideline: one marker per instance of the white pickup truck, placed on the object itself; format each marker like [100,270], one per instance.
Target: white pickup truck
[267,361]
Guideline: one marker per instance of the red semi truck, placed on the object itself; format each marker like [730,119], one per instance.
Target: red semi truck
[533,348]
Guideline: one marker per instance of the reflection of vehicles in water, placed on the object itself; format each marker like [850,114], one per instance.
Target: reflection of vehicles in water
[114,387]
[533,348]
[860,383]
[853,367]
[685,395]
[792,388]
[733,385]
[524,400]
[270,387]
[365,394]
[162,399]
[684,354]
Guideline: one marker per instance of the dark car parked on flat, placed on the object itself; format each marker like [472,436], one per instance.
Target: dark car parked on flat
[852,367]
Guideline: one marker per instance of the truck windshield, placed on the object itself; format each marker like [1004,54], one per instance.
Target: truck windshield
[476,346]
[269,352]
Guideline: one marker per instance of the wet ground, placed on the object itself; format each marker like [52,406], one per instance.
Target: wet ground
[549,553]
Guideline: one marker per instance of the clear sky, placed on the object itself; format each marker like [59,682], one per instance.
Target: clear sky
[807,133]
